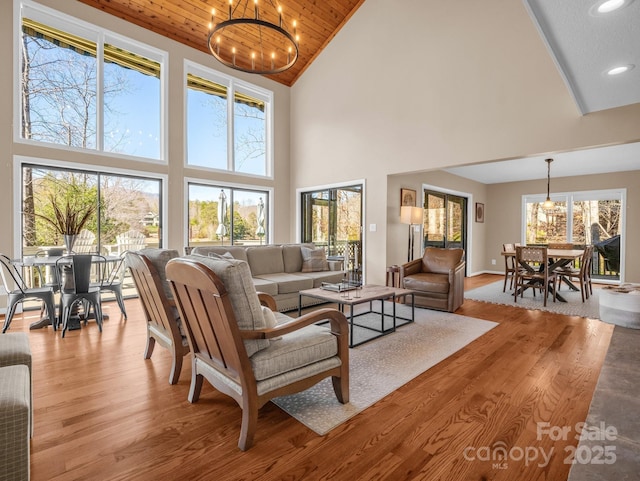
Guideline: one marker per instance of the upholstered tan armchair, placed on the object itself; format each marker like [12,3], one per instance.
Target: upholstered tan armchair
[437,278]
[247,352]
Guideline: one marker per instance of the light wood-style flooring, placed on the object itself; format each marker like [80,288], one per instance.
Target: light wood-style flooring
[102,412]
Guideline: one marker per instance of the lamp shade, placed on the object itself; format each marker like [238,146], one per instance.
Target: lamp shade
[410,215]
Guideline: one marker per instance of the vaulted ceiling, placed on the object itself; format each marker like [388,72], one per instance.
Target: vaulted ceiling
[187,21]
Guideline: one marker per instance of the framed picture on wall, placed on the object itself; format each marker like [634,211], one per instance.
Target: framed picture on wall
[479,212]
[408,197]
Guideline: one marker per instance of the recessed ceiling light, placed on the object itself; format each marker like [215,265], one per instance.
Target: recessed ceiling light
[620,69]
[601,8]
[610,6]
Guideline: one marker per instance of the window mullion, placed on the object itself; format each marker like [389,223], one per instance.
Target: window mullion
[100,94]
[231,146]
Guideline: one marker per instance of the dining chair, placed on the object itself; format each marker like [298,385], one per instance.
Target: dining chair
[509,266]
[46,273]
[532,271]
[17,292]
[582,275]
[74,277]
[112,279]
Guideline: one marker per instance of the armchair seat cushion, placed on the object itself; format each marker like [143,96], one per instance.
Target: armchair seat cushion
[428,282]
[294,351]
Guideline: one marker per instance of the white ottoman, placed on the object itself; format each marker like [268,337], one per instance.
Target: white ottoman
[621,305]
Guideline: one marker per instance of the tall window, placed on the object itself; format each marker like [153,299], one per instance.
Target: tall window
[85,88]
[581,218]
[122,203]
[227,215]
[223,134]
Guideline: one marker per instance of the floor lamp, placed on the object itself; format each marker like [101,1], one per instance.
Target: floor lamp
[412,216]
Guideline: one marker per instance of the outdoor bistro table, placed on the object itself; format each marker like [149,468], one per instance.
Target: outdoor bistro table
[50,262]
[367,293]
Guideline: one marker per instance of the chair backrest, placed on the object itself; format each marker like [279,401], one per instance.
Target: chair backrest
[11,277]
[85,242]
[209,319]
[132,240]
[75,272]
[508,247]
[531,255]
[235,275]
[155,303]
[440,260]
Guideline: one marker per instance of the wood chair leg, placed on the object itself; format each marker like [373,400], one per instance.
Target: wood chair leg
[341,388]
[196,386]
[249,424]
[151,343]
[176,367]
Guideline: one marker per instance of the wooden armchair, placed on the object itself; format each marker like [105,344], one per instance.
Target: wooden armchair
[163,323]
[437,278]
[240,352]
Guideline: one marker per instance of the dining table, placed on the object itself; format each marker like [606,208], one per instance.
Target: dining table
[50,262]
[558,258]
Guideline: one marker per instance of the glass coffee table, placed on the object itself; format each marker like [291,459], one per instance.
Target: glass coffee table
[365,294]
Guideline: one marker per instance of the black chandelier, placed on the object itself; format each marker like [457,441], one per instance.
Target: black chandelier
[253,40]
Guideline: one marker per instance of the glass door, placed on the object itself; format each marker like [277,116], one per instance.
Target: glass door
[445,220]
[332,219]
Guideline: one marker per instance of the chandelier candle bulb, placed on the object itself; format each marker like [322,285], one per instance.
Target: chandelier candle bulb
[253,60]
[230,7]
[255,2]
[233,52]
[280,16]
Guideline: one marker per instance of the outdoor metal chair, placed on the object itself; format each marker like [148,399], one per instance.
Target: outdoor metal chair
[18,291]
[74,277]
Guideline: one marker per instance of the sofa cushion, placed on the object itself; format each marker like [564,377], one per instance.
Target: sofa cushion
[292,258]
[236,277]
[268,287]
[159,259]
[265,260]
[289,282]
[236,251]
[323,276]
[427,282]
[295,350]
[313,260]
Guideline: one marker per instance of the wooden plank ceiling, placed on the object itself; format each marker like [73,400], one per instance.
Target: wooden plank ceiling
[187,21]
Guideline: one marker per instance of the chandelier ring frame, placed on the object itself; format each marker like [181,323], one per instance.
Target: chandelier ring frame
[261,23]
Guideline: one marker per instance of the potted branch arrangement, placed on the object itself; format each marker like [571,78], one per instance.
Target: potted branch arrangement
[69,219]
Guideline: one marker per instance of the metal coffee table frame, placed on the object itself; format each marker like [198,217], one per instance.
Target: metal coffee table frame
[367,293]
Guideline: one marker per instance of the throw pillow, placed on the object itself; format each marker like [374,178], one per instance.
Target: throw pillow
[314,260]
[270,320]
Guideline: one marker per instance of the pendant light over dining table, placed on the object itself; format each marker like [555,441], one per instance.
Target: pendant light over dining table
[254,38]
[548,203]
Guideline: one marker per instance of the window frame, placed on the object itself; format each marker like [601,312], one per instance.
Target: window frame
[99,35]
[269,201]
[20,160]
[233,85]
[569,198]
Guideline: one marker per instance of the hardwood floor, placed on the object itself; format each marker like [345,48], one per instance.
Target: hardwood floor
[104,413]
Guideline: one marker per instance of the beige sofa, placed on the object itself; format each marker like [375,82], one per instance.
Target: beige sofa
[276,270]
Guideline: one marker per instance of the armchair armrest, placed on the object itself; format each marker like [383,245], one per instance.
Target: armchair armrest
[266,300]
[459,268]
[338,321]
[409,268]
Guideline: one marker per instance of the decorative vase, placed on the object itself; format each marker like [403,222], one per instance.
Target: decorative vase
[69,240]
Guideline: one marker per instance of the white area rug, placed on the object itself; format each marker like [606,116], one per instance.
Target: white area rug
[573,307]
[381,366]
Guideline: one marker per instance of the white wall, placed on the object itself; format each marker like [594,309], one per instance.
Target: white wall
[427,84]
